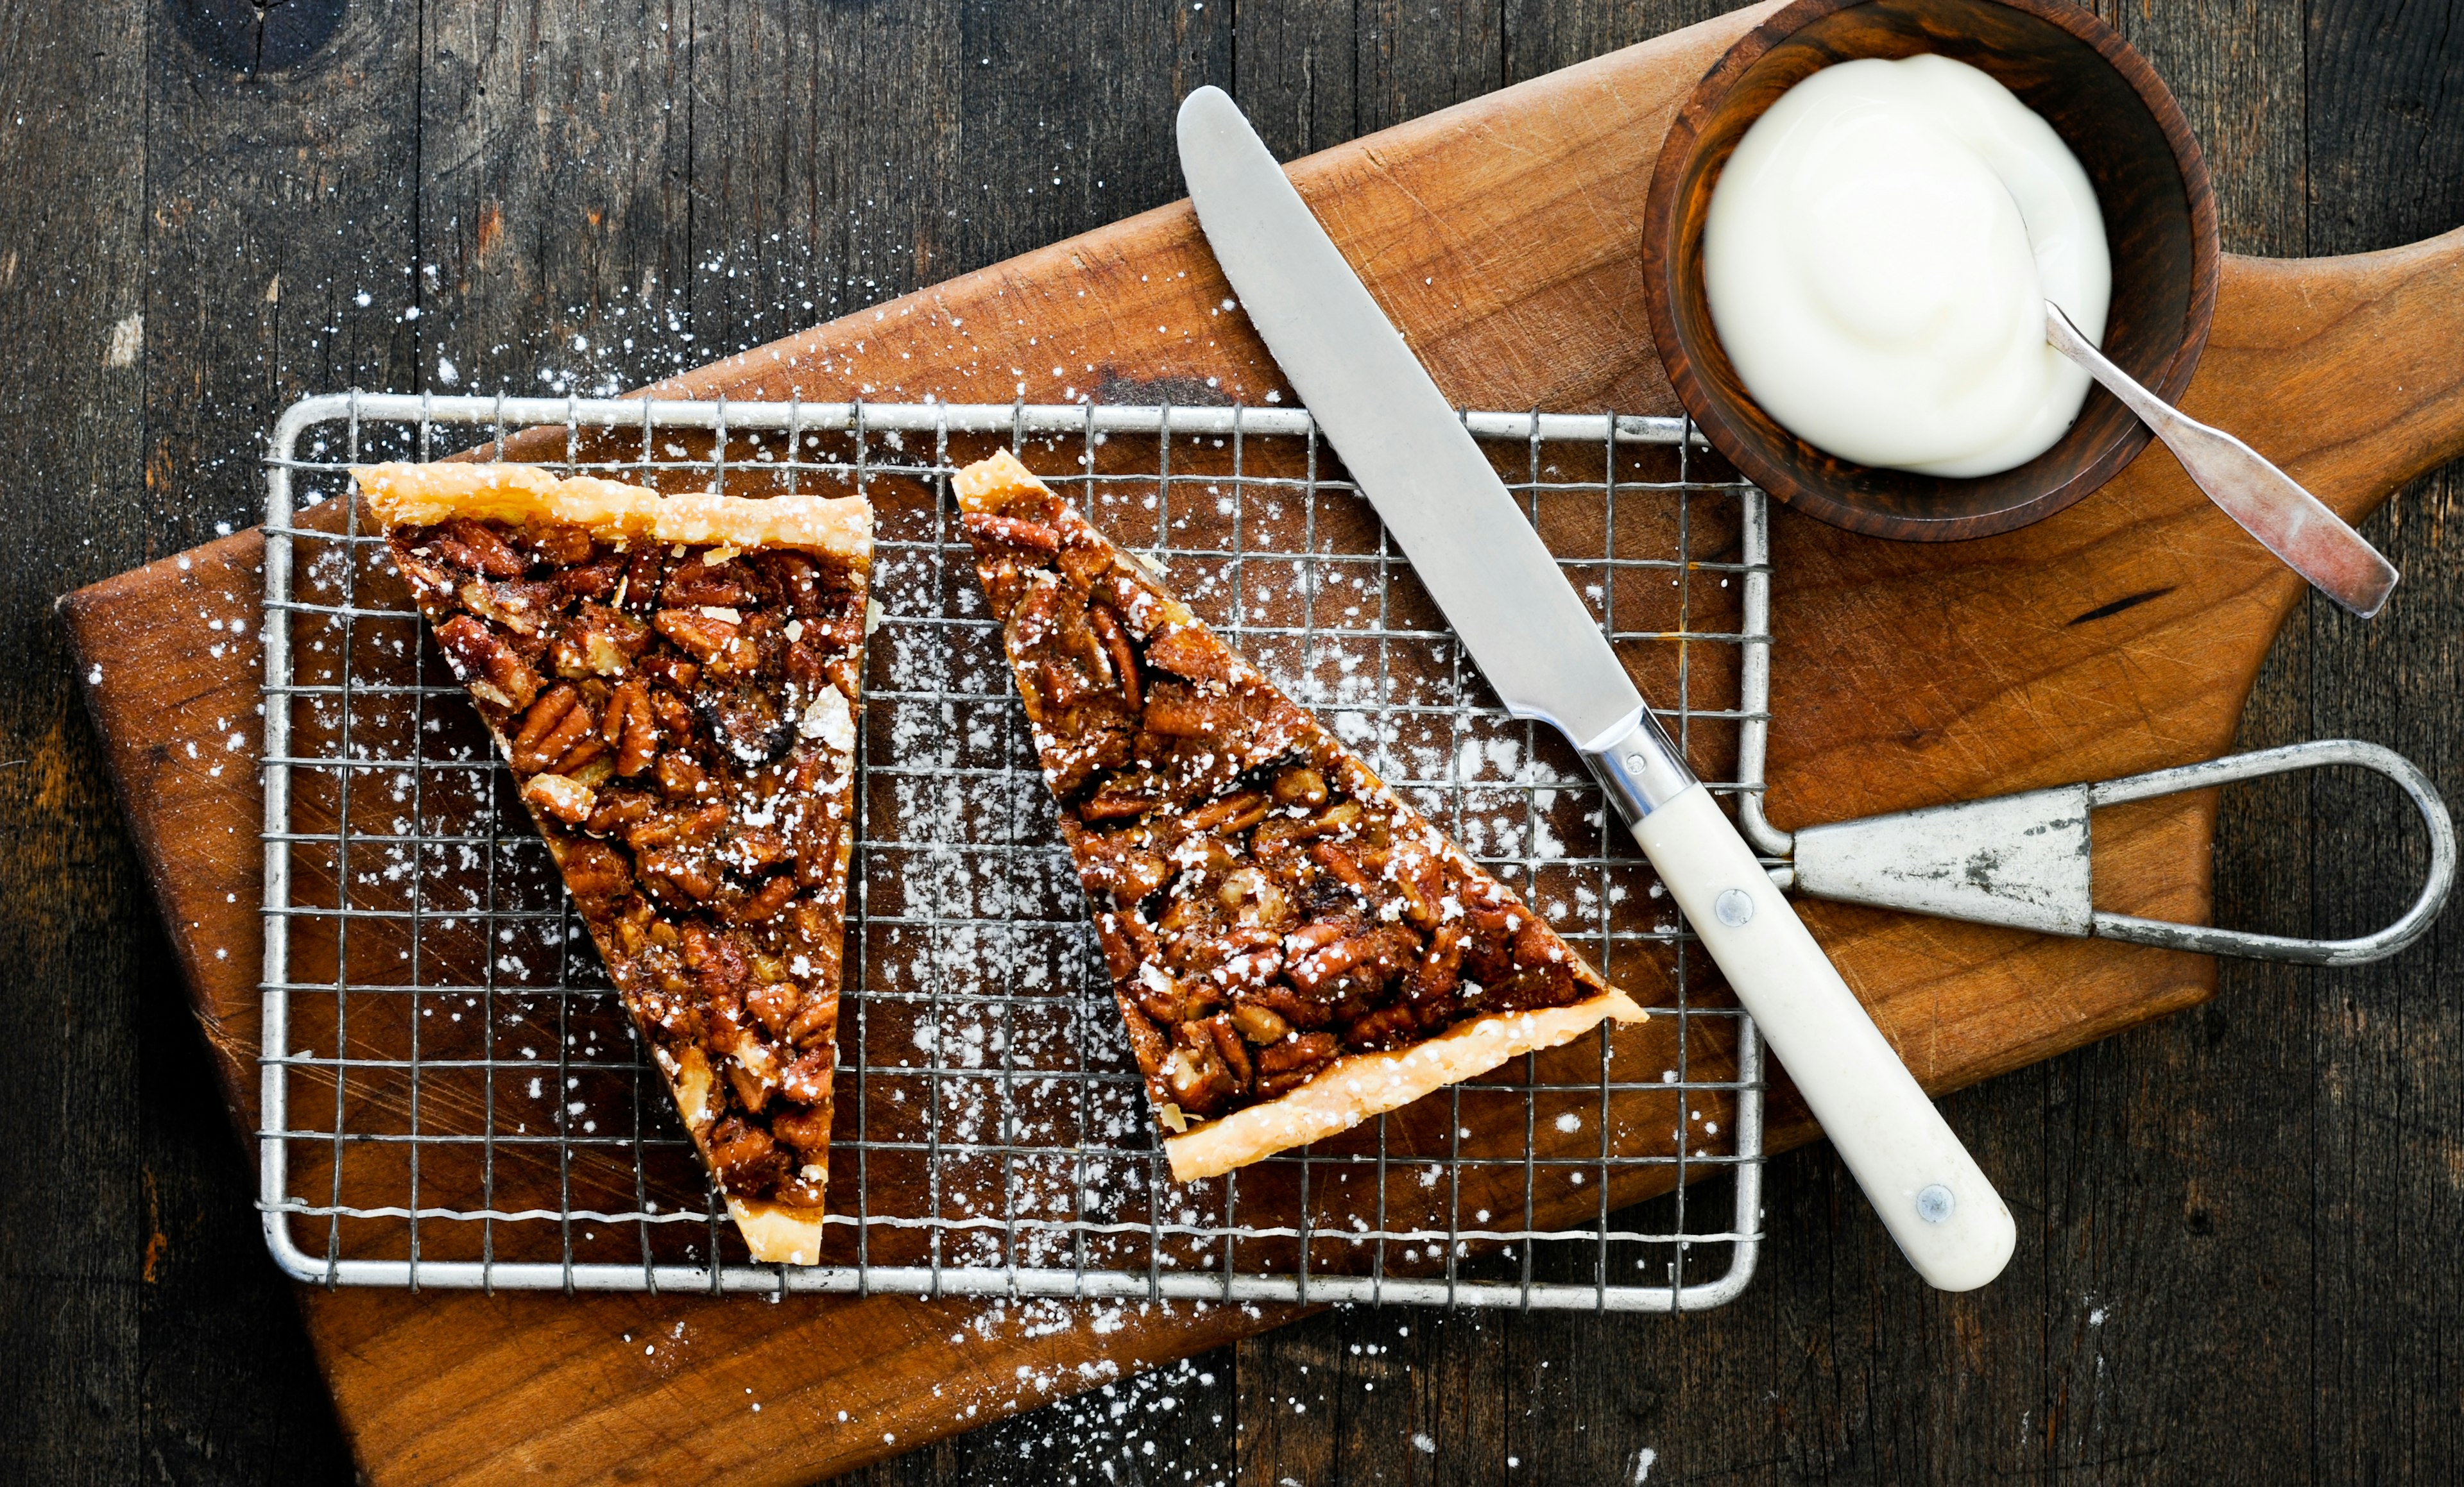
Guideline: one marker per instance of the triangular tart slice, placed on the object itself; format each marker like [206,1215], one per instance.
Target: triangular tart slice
[1293,948]
[672,679]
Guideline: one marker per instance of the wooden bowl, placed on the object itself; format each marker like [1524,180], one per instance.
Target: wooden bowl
[2151,184]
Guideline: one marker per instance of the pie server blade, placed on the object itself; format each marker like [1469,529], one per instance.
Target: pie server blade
[1410,454]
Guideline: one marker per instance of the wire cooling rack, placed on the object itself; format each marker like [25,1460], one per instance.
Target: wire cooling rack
[453,1096]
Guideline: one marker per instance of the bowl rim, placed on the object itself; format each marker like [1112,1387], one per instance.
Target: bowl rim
[1660,267]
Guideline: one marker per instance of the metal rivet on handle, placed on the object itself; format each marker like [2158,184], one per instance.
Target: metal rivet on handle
[1735,907]
[1935,1203]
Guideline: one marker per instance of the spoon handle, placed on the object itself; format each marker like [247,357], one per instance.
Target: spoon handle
[2289,521]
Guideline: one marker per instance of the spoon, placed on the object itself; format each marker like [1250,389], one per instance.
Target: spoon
[2289,521]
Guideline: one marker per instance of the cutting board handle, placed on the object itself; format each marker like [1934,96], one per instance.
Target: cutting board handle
[2343,370]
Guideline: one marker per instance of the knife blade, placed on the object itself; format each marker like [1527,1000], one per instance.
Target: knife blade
[1410,454]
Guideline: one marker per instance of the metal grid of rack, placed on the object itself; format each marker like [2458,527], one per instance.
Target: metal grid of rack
[453,1094]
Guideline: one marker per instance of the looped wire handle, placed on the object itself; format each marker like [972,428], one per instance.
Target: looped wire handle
[2210,940]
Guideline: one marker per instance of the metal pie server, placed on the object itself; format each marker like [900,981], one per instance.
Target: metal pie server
[1543,652]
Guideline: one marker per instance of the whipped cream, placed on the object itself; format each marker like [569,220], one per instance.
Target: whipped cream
[1878,255]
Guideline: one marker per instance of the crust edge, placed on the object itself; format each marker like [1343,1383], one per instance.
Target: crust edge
[988,484]
[778,1235]
[1353,1090]
[839,527]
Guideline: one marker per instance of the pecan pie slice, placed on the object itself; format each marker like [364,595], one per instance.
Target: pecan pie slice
[673,681]
[1293,948]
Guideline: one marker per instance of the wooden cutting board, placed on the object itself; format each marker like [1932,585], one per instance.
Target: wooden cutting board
[2122,635]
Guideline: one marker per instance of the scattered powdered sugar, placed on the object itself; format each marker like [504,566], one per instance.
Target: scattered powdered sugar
[1117,1426]
[829,720]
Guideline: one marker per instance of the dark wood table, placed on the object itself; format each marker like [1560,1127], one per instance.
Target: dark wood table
[2242,1221]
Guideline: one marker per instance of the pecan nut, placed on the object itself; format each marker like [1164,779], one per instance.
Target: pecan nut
[1197,1074]
[1032,536]
[1232,813]
[470,545]
[628,728]
[701,634]
[567,800]
[1260,1025]
[698,581]
[1191,651]
[559,542]
[1300,785]
[556,723]
[767,900]
[494,671]
[747,1159]
[599,642]
[595,874]
[1109,633]
[1288,1064]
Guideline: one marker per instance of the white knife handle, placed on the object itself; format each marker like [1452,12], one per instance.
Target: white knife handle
[1930,1194]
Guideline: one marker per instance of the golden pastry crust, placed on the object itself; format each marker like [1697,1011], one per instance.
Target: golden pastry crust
[1294,949]
[1353,1090]
[420,496]
[777,1234]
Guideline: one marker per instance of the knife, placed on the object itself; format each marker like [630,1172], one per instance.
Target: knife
[1545,655]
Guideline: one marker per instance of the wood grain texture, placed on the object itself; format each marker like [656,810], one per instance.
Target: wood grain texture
[2129,137]
[2171,1169]
[2386,142]
[76,947]
[281,266]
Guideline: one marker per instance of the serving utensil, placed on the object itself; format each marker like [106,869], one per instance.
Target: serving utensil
[1544,653]
[2270,506]
[2026,859]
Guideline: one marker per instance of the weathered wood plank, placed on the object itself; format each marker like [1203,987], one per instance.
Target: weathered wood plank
[283,236]
[2144,1140]
[2386,1163]
[1296,73]
[1543,35]
[79,946]
[2387,1121]
[554,198]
